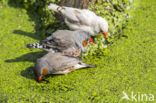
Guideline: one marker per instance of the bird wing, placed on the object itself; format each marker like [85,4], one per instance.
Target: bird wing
[81,20]
[86,17]
[82,17]
[59,62]
[61,40]
[69,13]
[64,39]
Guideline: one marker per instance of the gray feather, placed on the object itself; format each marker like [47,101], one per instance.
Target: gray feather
[81,19]
[65,40]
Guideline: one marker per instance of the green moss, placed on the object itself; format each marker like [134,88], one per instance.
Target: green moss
[126,65]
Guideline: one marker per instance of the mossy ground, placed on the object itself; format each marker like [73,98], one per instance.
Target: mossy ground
[128,64]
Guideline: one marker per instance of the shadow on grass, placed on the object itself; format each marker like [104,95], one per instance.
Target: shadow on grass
[30,57]
[40,28]
[29,34]
[28,73]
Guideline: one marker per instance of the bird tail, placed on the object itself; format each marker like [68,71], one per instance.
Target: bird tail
[84,65]
[55,7]
[37,45]
[40,46]
[88,65]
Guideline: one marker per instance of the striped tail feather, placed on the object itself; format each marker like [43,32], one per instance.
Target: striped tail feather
[37,45]
[40,46]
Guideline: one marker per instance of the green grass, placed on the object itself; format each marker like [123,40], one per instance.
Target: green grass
[128,65]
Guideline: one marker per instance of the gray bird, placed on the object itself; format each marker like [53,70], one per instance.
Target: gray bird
[64,41]
[57,63]
[82,19]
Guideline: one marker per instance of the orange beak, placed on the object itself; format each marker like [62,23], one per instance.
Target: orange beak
[105,34]
[91,40]
[39,79]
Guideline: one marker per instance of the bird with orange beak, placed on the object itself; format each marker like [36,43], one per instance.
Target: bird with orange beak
[65,41]
[57,63]
[82,19]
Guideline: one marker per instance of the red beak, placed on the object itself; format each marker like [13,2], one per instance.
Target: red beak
[105,34]
[91,40]
[39,79]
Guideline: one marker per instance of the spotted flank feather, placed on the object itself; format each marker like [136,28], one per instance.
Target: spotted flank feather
[64,71]
[73,53]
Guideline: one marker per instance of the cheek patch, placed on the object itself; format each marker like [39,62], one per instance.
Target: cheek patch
[45,71]
[84,43]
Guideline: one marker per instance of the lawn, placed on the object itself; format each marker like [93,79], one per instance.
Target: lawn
[128,65]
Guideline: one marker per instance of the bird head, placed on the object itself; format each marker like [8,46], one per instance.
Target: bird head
[44,71]
[82,39]
[86,42]
[40,70]
[103,24]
